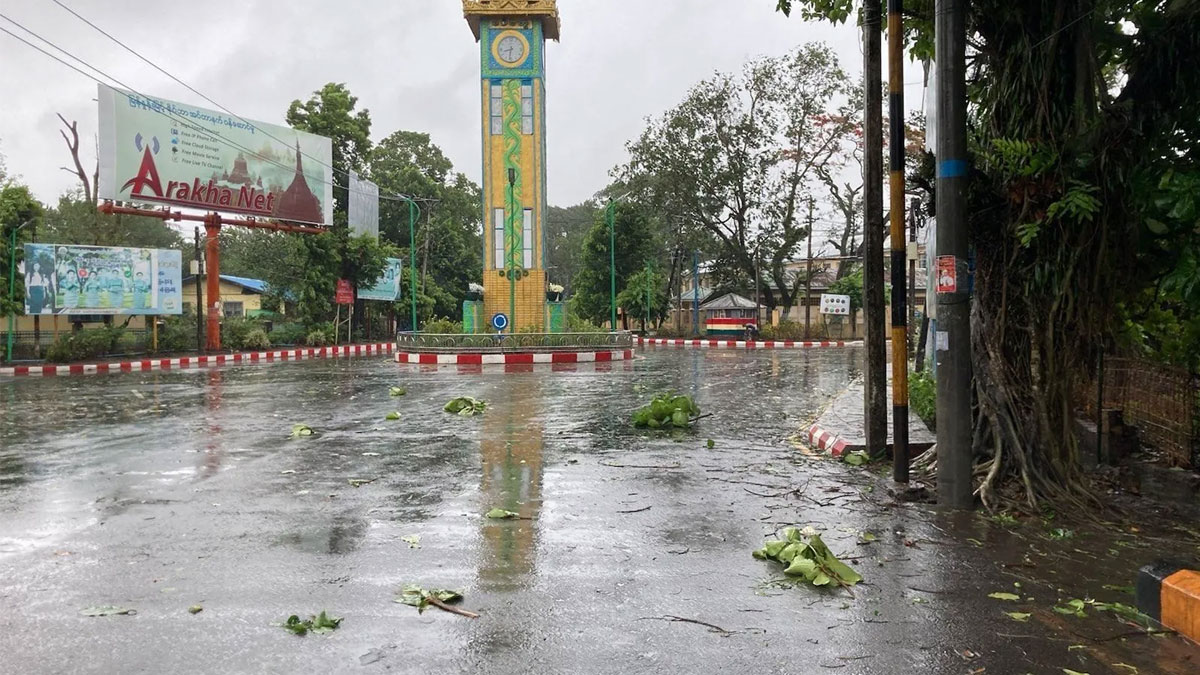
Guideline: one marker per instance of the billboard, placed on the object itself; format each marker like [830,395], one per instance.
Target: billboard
[64,279]
[155,150]
[387,287]
[364,207]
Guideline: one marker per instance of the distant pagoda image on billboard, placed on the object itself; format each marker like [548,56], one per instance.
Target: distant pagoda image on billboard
[298,201]
[512,36]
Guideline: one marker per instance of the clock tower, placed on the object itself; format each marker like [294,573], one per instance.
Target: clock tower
[512,35]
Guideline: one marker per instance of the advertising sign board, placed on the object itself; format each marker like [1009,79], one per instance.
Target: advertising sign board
[835,304]
[387,287]
[363,213]
[155,150]
[345,292]
[64,279]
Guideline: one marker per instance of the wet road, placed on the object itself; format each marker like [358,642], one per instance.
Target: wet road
[163,490]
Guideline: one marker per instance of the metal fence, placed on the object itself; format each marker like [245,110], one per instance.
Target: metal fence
[1162,402]
[505,342]
[28,346]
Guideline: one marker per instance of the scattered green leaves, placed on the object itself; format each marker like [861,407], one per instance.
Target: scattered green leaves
[501,514]
[1128,590]
[321,623]
[867,537]
[413,540]
[1061,533]
[465,406]
[666,411]
[299,430]
[107,610]
[1072,608]
[1019,616]
[1003,518]
[856,458]
[397,391]
[195,609]
[418,597]
[394,415]
[805,555]
[1011,597]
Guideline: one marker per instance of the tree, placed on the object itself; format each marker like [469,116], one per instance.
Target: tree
[448,234]
[565,232]
[75,220]
[17,207]
[645,294]
[330,112]
[635,244]
[1086,160]
[737,158]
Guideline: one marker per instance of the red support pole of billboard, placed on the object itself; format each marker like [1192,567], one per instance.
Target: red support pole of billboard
[212,274]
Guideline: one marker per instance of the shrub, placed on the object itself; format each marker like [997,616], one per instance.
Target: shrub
[178,333]
[442,326]
[235,330]
[85,344]
[922,395]
[578,324]
[287,334]
[257,339]
[319,335]
[784,330]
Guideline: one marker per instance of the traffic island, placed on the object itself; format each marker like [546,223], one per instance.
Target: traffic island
[479,349]
[1170,594]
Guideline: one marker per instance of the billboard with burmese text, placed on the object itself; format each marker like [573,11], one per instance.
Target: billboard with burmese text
[165,152]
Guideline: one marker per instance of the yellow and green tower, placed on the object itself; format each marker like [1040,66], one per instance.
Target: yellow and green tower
[512,37]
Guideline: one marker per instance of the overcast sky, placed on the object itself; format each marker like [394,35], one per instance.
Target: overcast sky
[413,63]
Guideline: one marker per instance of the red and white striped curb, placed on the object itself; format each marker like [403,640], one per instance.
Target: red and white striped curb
[203,361]
[513,358]
[743,344]
[824,440]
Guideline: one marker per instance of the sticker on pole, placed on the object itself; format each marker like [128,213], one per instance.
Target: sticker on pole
[838,305]
[947,274]
[499,321]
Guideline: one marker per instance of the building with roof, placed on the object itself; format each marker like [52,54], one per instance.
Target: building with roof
[240,297]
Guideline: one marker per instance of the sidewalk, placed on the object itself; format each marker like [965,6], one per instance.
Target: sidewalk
[841,426]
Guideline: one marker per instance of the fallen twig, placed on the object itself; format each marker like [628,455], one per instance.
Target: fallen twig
[451,608]
[676,465]
[644,508]
[670,617]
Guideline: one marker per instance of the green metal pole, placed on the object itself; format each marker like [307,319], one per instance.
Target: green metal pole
[413,213]
[646,328]
[612,265]
[512,268]
[12,282]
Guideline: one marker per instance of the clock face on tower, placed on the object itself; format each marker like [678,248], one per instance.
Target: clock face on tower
[510,48]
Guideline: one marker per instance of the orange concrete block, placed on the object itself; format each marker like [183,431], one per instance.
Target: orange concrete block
[1181,603]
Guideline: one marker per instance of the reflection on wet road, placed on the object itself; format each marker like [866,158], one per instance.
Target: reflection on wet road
[166,489]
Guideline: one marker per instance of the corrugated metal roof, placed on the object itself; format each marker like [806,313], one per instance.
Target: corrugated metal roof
[729,301]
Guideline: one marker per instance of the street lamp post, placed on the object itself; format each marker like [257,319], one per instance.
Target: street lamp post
[414,212]
[12,284]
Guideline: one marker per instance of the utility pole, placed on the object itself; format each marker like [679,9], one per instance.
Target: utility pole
[199,293]
[808,274]
[914,207]
[899,248]
[876,375]
[696,292]
[953,339]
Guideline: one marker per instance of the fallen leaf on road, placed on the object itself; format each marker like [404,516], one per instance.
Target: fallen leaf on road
[1126,666]
[392,416]
[413,540]
[501,514]
[1012,597]
[805,555]
[299,430]
[195,609]
[1068,671]
[1018,616]
[397,391]
[322,623]
[711,444]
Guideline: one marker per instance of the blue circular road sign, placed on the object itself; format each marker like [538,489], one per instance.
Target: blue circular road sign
[499,321]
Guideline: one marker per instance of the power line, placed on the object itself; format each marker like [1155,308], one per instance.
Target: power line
[211,134]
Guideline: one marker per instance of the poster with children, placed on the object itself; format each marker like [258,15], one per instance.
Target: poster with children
[67,279]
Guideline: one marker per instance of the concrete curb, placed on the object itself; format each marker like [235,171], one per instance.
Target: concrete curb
[1170,594]
[513,358]
[295,354]
[821,439]
[742,344]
